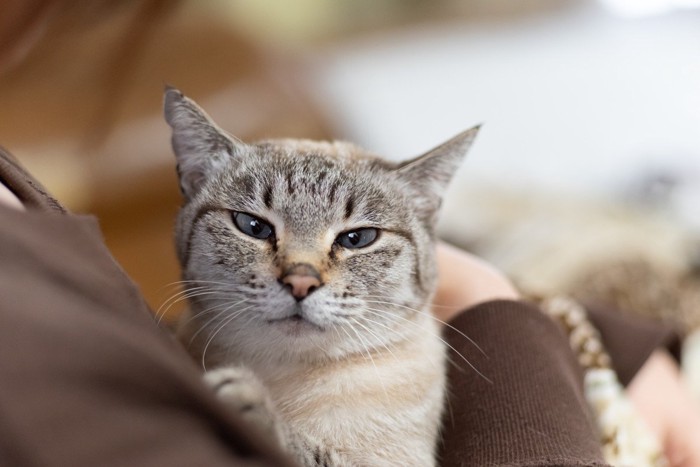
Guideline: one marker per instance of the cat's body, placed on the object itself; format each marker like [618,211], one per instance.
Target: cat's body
[310,272]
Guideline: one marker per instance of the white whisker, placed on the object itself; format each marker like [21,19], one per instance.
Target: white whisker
[214,334]
[223,309]
[431,316]
[416,302]
[180,296]
[385,315]
[367,349]
[356,321]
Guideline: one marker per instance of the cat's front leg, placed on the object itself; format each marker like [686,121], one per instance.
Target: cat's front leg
[310,452]
[242,391]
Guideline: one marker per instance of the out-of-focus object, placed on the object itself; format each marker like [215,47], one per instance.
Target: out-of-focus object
[83,111]
[691,363]
[643,8]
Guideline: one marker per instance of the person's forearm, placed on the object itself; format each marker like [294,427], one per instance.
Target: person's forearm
[519,400]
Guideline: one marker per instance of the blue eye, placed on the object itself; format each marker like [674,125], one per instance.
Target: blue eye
[359,238]
[251,225]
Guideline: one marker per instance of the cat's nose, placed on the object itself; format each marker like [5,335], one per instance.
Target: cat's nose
[301,279]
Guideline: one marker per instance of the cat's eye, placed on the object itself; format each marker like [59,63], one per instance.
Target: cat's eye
[251,225]
[359,238]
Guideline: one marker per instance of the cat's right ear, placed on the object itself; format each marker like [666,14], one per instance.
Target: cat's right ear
[200,146]
[430,173]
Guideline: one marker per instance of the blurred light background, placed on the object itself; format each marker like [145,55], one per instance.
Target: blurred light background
[588,163]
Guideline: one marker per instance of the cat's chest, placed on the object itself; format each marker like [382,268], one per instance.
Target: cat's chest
[360,393]
[383,405]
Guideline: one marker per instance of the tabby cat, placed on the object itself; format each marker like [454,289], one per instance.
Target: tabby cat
[309,269]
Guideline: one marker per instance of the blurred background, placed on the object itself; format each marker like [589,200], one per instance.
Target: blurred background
[585,178]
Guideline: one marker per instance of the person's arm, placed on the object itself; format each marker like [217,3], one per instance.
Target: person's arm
[660,396]
[519,399]
[657,389]
[466,281]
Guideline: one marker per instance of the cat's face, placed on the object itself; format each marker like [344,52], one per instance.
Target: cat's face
[312,249]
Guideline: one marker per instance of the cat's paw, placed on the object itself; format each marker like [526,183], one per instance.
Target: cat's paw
[243,392]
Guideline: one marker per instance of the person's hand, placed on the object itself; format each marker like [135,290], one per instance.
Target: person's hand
[8,198]
[464,281]
[669,409]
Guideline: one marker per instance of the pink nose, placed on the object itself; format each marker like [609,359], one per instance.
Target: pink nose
[302,279]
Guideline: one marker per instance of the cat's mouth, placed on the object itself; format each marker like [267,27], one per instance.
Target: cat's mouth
[296,321]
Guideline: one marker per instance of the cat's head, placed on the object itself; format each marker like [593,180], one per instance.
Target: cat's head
[300,246]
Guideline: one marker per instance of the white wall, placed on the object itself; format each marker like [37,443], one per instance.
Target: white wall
[581,101]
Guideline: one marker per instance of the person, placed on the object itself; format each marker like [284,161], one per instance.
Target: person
[88,378]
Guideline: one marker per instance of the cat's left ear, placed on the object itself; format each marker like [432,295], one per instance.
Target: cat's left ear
[430,173]
[200,146]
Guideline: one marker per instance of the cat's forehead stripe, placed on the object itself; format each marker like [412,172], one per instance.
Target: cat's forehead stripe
[334,188]
[267,197]
[290,184]
[349,207]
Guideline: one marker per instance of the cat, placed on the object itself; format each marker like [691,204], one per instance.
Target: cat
[310,270]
